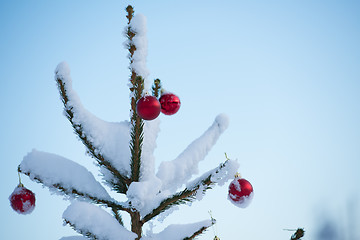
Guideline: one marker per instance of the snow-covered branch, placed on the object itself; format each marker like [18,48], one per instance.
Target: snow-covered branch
[138,47]
[66,176]
[177,172]
[181,231]
[197,188]
[107,142]
[92,221]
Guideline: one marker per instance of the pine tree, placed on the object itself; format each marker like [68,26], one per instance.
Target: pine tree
[123,152]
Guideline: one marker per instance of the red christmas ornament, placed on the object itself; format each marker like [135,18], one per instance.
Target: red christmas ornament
[148,107]
[22,200]
[241,192]
[170,103]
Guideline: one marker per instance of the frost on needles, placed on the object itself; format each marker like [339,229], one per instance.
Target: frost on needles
[124,153]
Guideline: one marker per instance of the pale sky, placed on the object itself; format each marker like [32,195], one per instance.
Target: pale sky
[286,72]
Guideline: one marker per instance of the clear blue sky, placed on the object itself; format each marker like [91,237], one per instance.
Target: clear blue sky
[287,73]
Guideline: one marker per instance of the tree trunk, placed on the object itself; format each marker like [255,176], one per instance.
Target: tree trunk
[136,224]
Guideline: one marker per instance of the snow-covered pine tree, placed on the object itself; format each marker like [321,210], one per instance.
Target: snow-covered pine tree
[123,152]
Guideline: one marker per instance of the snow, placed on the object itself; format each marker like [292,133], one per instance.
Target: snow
[109,138]
[175,173]
[138,26]
[53,169]
[151,130]
[226,173]
[244,202]
[143,195]
[178,231]
[90,218]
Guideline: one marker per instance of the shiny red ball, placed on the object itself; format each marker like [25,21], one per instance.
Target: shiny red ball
[22,200]
[240,192]
[170,103]
[148,107]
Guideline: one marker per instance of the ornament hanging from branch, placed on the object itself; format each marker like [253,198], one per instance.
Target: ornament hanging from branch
[241,192]
[148,107]
[22,200]
[170,103]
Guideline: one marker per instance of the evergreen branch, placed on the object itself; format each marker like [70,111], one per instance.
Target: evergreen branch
[187,195]
[130,34]
[171,173]
[137,124]
[75,193]
[136,89]
[156,88]
[298,234]
[197,233]
[118,216]
[123,182]
[137,131]
[84,232]
[130,11]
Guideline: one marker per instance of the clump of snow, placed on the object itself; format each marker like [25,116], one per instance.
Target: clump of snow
[145,204]
[53,169]
[244,201]
[175,173]
[151,130]
[138,26]
[143,194]
[87,217]
[178,231]
[110,139]
[62,71]
[226,173]
[219,175]
[161,217]
[223,121]
[200,193]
